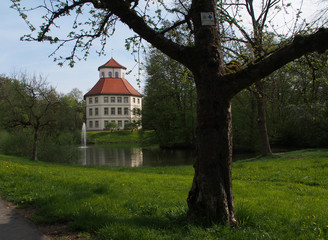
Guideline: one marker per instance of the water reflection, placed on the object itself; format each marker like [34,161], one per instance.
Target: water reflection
[119,156]
[112,156]
[132,156]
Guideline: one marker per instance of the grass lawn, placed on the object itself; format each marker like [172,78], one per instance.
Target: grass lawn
[280,197]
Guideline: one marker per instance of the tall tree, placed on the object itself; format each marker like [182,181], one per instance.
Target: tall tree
[170,101]
[210,197]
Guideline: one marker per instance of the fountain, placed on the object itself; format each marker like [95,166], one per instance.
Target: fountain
[84,136]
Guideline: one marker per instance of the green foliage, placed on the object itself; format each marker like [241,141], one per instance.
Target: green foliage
[17,143]
[280,197]
[131,126]
[245,130]
[296,107]
[111,126]
[37,120]
[122,136]
[169,102]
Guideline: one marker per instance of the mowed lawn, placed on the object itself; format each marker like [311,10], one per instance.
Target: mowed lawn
[284,196]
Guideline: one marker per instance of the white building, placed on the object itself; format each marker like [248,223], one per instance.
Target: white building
[112,99]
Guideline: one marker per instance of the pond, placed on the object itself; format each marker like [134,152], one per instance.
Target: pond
[134,156]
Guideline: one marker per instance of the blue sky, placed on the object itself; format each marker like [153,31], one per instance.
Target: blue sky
[32,57]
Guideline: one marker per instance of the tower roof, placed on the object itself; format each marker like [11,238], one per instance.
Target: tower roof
[112,64]
[113,86]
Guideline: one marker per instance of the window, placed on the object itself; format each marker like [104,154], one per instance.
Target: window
[90,124]
[119,99]
[90,100]
[138,101]
[96,124]
[119,122]
[105,99]
[119,111]
[105,111]
[96,111]
[105,123]
[112,99]
[112,111]
[126,99]
[126,111]
[90,111]
[134,100]
[116,74]
[125,122]
[96,99]
[110,74]
[102,74]
[123,75]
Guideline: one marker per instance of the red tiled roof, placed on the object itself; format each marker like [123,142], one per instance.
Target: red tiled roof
[116,86]
[112,64]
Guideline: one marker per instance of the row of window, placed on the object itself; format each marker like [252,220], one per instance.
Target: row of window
[110,74]
[96,123]
[113,111]
[114,99]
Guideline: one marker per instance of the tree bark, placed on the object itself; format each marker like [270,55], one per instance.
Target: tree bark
[211,198]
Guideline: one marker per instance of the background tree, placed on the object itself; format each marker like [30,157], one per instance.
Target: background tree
[211,197]
[169,102]
[38,122]
[29,103]
[258,42]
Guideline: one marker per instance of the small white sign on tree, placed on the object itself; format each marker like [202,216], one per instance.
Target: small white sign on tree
[207,18]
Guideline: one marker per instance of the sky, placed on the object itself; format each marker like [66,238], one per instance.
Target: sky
[33,58]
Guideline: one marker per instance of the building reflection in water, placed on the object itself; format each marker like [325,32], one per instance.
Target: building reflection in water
[112,156]
[117,156]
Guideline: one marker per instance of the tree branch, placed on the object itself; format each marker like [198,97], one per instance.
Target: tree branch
[265,66]
[137,23]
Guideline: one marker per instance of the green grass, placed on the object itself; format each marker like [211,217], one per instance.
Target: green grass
[280,197]
[122,136]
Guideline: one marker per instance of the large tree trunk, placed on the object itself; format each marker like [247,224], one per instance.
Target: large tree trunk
[211,198]
[261,119]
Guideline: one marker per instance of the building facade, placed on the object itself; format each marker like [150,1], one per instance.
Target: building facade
[112,99]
